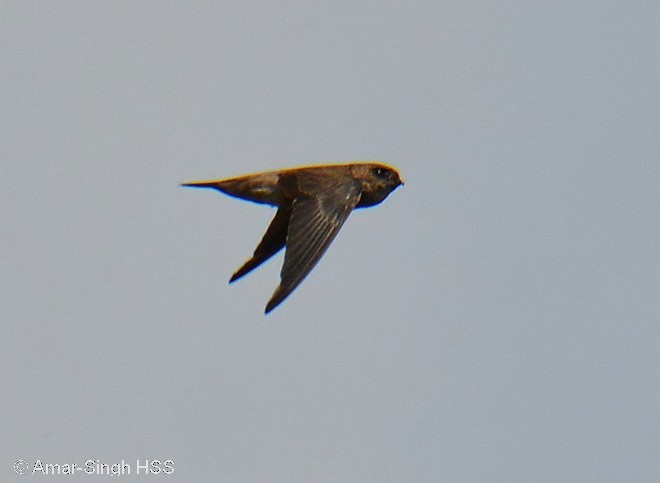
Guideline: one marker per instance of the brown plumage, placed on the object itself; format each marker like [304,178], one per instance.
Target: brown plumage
[313,203]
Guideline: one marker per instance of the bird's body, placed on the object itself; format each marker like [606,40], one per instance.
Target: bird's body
[313,203]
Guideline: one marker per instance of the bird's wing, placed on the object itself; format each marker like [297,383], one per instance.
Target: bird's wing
[272,242]
[316,217]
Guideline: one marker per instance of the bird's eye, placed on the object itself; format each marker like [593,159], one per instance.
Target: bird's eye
[379,172]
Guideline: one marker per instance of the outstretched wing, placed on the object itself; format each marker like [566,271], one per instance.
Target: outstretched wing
[272,242]
[316,217]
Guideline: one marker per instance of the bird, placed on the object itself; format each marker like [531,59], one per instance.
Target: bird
[313,202]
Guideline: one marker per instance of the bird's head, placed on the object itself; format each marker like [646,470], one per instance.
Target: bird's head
[378,180]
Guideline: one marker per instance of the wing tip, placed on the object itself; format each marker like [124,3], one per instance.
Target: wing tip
[238,274]
[269,307]
[277,298]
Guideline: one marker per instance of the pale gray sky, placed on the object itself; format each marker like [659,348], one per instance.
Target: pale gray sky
[495,320]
